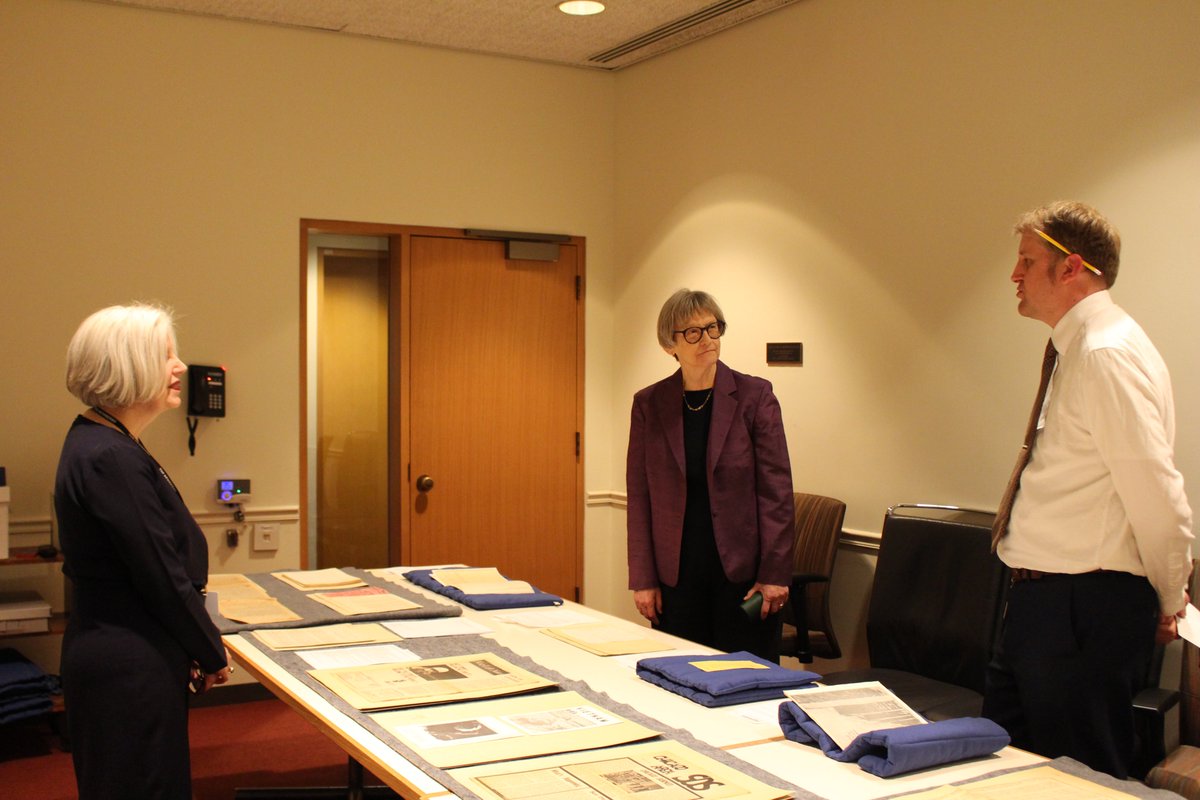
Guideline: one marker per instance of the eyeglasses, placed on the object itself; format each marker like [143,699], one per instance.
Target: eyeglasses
[713,329]
[1047,237]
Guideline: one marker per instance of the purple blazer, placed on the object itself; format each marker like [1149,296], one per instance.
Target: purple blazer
[749,482]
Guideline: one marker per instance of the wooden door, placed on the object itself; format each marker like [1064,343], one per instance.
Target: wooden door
[493,397]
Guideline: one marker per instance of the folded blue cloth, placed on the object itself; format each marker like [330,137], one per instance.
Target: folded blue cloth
[482,602]
[24,708]
[723,687]
[895,751]
[24,687]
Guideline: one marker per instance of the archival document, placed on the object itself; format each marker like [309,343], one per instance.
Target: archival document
[325,636]
[308,580]
[513,727]
[427,682]
[242,600]
[608,638]
[664,770]
[1039,783]
[480,580]
[232,585]
[850,709]
[364,600]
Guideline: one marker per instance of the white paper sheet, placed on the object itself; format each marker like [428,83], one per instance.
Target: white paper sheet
[546,617]
[364,656]
[1189,626]
[438,626]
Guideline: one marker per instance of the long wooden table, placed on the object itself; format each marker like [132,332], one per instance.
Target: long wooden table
[749,732]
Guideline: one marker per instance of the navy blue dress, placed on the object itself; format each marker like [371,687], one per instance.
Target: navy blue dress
[137,562]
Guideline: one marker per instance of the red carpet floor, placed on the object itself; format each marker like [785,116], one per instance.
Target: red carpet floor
[240,745]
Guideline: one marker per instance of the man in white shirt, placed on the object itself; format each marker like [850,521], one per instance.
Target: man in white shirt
[1099,541]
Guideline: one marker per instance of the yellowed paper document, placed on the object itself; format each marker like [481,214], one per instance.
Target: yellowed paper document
[255,611]
[664,770]
[480,580]
[312,579]
[435,680]
[514,727]
[1039,783]
[607,638]
[365,600]
[325,636]
[234,587]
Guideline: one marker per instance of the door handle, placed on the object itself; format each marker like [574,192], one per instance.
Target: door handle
[424,483]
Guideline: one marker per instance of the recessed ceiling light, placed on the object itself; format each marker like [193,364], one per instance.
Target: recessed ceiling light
[581,8]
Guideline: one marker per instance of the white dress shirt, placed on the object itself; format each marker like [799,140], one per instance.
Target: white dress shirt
[1101,490]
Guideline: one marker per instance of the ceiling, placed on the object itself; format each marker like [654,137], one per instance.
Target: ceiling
[627,32]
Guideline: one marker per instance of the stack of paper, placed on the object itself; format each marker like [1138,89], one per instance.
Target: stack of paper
[313,579]
[23,612]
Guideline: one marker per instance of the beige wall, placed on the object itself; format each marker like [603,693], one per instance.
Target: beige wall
[846,174]
[838,173]
[166,157]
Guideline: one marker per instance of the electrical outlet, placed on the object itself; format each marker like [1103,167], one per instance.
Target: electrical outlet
[266,536]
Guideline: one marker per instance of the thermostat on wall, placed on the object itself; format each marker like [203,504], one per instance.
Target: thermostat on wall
[233,491]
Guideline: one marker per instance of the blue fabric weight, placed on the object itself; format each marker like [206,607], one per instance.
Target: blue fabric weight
[896,751]
[765,681]
[482,602]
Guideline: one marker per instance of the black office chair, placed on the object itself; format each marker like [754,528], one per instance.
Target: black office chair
[935,609]
[807,622]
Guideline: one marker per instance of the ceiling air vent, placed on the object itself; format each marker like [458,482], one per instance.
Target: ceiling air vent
[661,35]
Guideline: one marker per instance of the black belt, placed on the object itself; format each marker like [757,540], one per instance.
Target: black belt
[1020,574]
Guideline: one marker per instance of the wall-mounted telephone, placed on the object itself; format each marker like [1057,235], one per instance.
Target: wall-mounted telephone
[206,397]
[206,391]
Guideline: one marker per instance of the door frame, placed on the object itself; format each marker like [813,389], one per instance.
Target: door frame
[400,488]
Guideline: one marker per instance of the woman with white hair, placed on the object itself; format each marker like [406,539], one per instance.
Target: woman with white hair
[138,634]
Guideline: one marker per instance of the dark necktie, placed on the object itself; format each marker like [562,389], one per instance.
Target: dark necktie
[1000,526]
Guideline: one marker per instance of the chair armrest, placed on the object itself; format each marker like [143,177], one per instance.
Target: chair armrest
[804,578]
[1159,701]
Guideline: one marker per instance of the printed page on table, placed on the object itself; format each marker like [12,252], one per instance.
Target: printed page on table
[844,711]
[431,681]
[665,769]
[480,732]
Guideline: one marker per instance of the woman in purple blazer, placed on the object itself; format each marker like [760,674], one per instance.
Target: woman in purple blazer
[710,519]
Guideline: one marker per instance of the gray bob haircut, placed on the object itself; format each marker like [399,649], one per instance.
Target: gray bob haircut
[679,308]
[118,355]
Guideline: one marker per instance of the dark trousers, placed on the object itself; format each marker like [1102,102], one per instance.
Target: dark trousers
[704,607]
[1073,652]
